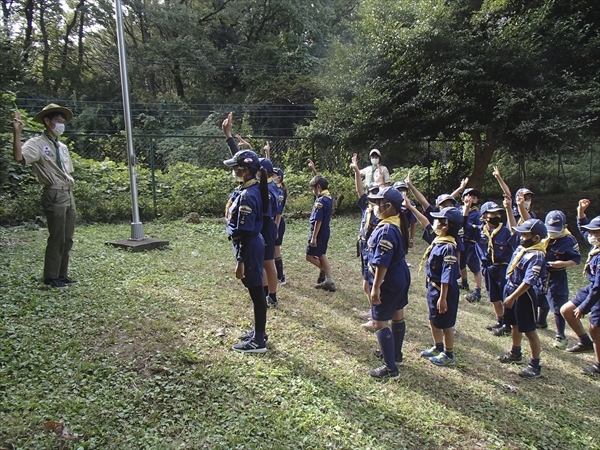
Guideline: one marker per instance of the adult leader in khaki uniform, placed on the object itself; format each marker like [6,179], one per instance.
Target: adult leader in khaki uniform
[52,164]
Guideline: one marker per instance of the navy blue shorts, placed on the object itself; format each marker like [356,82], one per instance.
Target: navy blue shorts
[581,295]
[542,300]
[523,314]
[322,243]
[253,257]
[269,250]
[495,280]
[558,290]
[390,303]
[364,259]
[595,315]
[280,231]
[448,319]
[469,258]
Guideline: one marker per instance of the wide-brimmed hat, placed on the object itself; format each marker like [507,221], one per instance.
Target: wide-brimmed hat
[53,108]
[374,151]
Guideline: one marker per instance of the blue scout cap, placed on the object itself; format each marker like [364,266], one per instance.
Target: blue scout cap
[490,207]
[244,158]
[593,225]
[523,191]
[450,213]
[472,191]
[442,198]
[400,185]
[555,220]
[372,186]
[266,164]
[533,226]
[279,172]
[390,194]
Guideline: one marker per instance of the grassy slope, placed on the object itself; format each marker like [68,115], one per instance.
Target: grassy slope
[131,358]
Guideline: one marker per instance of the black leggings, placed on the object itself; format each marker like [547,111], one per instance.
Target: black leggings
[260,308]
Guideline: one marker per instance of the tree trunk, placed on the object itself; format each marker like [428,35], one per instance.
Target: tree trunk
[45,47]
[176,71]
[484,150]
[28,29]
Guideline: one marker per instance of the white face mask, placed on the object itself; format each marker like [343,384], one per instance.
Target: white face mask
[379,212]
[527,204]
[437,227]
[554,234]
[593,240]
[374,161]
[59,129]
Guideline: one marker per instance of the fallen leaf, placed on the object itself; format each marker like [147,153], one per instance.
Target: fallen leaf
[221,332]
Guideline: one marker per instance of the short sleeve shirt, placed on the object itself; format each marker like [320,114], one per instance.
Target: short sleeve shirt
[40,152]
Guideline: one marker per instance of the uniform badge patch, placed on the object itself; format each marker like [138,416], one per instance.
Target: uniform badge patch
[385,245]
[450,259]
[318,205]
[245,209]
[47,151]
[536,269]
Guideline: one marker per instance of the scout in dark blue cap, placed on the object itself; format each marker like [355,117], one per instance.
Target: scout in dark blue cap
[318,240]
[280,221]
[562,251]
[389,279]
[368,223]
[525,272]
[587,299]
[494,248]
[244,224]
[471,231]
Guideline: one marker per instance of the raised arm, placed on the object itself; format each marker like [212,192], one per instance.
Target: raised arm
[360,190]
[267,149]
[507,203]
[521,208]
[459,189]
[226,127]
[242,143]
[311,164]
[418,196]
[17,129]
[501,182]
[424,221]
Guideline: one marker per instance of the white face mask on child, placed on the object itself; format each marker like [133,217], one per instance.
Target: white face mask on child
[555,234]
[527,204]
[594,240]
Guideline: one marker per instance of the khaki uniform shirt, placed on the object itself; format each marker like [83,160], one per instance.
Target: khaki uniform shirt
[39,151]
[369,174]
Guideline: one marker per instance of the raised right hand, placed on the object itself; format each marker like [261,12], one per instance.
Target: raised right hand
[18,125]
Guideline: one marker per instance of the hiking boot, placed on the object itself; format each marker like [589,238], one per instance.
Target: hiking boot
[67,280]
[250,346]
[398,358]
[384,372]
[326,286]
[504,330]
[249,335]
[473,297]
[531,372]
[368,325]
[592,371]
[581,348]
[281,281]
[55,283]
[431,353]
[541,326]
[510,358]
[442,360]
[464,285]
[493,326]
[271,303]
[560,342]
[321,277]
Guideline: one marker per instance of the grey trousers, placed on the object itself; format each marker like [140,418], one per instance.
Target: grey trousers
[59,207]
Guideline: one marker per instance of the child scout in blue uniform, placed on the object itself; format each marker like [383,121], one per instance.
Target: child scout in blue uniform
[562,251]
[269,233]
[471,231]
[319,232]
[524,273]
[588,294]
[495,251]
[280,221]
[389,280]
[245,211]
[412,220]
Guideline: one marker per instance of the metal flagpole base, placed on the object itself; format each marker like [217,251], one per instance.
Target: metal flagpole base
[137,231]
[137,242]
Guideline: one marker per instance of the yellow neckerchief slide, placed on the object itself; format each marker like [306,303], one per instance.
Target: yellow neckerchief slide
[540,246]
[490,237]
[438,240]
[547,240]
[593,252]
[241,187]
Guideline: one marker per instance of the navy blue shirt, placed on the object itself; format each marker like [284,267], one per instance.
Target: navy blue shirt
[369,220]
[244,217]
[321,211]
[501,250]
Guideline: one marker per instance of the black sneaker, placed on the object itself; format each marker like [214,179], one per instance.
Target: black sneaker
[592,371]
[398,359]
[473,297]
[384,372]
[581,348]
[321,277]
[250,346]
[55,283]
[541,326]
[494,326]
[281,281]
[67,280]
[531,372]
[249,335]
[504,330]
[271,303]
[510,358]
[464,286]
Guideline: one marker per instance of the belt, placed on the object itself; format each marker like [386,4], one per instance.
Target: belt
[469,240]
[511,284]
[553,269]
[59,187]
[435,283]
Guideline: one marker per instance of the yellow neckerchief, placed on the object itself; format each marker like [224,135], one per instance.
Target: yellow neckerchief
[540,246]
[368,217]
[241,187]
[547,240]
[392,220]
[474,208]
[438,240]
[325,193]
[269,179]
[593,252]
[490,237]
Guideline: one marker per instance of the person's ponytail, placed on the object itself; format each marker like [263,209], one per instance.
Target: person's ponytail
[264,189]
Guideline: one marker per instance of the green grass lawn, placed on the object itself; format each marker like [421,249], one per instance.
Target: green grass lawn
[131,356]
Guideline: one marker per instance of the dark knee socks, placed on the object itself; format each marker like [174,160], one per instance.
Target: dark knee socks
[398,331]
[279,268]
[560,322]
[386,344]
[260,311]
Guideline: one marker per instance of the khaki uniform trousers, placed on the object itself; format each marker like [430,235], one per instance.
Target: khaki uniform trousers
[59,207]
